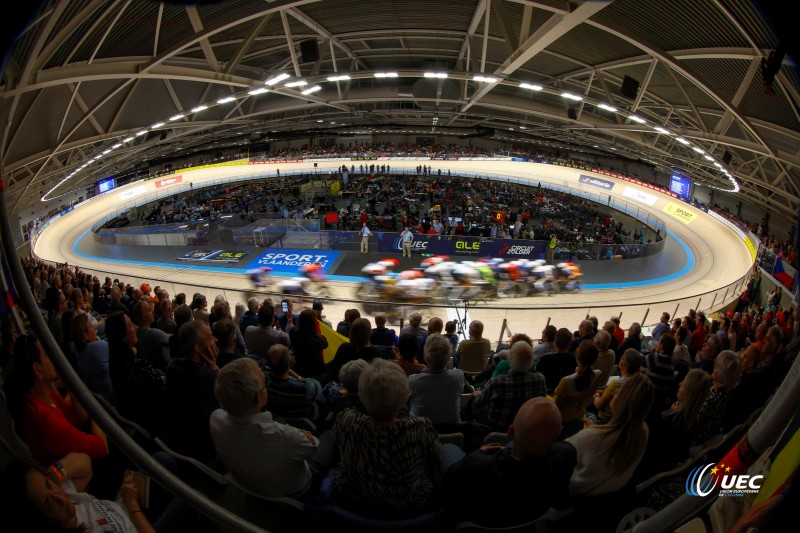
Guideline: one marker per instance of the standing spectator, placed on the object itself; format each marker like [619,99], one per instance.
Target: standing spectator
[381,335]
[365,235]
[406,239]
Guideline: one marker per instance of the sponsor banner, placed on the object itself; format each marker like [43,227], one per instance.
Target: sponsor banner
[166,182]
[737,230]
[365,158]
[130,193]
[407,158]
[484,158]
[336,186]
[596,182]
[213,256]
[522,159]
[211,165]
[433,244]
[680,212]
[286,260]
[273,161]
[639,196]
[325,159]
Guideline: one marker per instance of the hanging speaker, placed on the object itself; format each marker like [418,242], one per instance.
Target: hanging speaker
[630,87]
[571,113]
[309,50]
[726,158]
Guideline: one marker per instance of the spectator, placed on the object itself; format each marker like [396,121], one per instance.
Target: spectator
[199,308]
[343,327]
[317,306]
[450,335]
[609,454]
[342,394]
[139,388]
[498,402]
[708,353]
[266,457]
[381,335]
[660,370]
[190,391]
[224,332]
[249,317]
[561,363]
[725,376]
[259,338]
[546,344]
[153,343]
[633,340]
[575,392]
[407,354]
[404,450]
[660,328]
[91,353]
[629,364]
[308,345]
[473,353]
[282,381]
[415,327]
[183,314]
[503,364]
[166,319]
[435,393]
[584,333]
[605,356]
[536,469]
[359,347]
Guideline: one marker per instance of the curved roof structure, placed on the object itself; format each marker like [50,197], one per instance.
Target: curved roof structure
[95,88]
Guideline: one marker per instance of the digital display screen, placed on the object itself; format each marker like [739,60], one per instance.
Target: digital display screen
[105,185]
[681,186]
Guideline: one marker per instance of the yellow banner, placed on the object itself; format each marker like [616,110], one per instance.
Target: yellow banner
[680,212]
[334,341]
[305,187]
[750,246]
[336,187]
[223,164]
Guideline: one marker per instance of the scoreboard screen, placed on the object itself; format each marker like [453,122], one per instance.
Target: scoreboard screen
[681,186]
[105,185]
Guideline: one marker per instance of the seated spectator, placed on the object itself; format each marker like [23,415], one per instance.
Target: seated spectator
[575,392]
[139,388]
[498,402]
[190,391]
[436,391]
[182,314]
[472,354]
[249,317]
[561,363]
[221,310]
[618,334]
[611,328]
[608,454]
[224,332]
[342,394]
[407,354]
[704,358]
[629,365]
[681,360]
[450,335]
[534,472]
[51,424]
[403,450]
[264,456]
[317,306]
[546,345]
[259,338]
[381,335]
[308,345]
[54,499]
[166,319]
[502,366]
[199,307]
[415,326]
[358,347]
[605,356]
[343,327]
[91,354]
[724,378]
[153,343]
[670,433]
[585,333]
[282,382]
[659,329]
[633,340]
[660,371]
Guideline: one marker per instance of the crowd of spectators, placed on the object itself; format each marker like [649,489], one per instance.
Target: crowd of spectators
[591,411]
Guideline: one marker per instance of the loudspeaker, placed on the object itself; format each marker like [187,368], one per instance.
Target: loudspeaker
[571,113]
[630,87]
[309,50]
[726,158]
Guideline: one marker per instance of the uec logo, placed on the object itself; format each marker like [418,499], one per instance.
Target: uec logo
[701,484]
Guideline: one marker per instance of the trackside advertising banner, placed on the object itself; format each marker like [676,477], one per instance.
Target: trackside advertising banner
[596,182]
[285,260]
[433,244]
[213,256]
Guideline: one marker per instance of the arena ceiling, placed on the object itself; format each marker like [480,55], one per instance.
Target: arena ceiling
[95,88]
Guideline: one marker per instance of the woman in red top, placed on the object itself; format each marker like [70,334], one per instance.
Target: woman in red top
[50,423]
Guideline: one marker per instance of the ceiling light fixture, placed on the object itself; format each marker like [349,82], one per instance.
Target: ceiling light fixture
[276,79]
[257,91]
[439,75]
[343,77]
[299,83]
[310,90]
[485,79]
[226,100]
[530,86]
[607,107]
[571,96]
[199,108]
[386,74]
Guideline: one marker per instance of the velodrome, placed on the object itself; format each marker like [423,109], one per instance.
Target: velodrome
[716,266]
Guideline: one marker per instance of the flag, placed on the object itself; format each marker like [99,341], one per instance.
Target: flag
[335,340]
[780,274]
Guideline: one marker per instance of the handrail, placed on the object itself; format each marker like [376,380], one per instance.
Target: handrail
[86,398]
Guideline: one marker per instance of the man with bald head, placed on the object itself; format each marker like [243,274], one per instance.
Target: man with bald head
[585,332]
[533,471]
[605,356]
